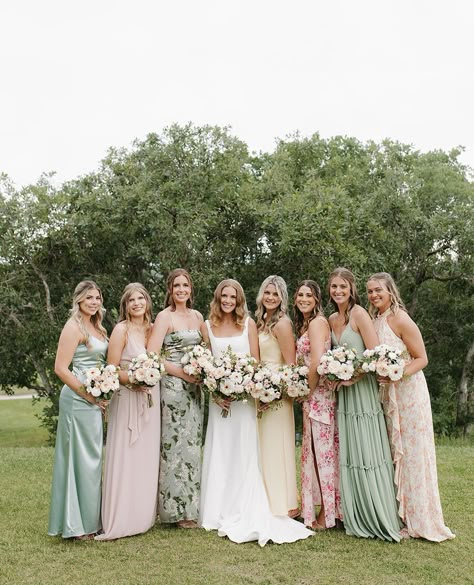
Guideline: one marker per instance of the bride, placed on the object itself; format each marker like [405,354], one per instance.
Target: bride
[233,497]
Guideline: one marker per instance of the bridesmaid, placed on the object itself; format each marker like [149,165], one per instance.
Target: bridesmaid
[408,413]
[320,449]
[133,450]
[176,329]
[75,495]
[276,427]
[366,474]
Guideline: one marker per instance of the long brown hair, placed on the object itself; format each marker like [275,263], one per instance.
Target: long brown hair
[346,275]
[240,312]
[80,293]
[396,302]
[124,315]
[280,312]
[169,301]
[302,324]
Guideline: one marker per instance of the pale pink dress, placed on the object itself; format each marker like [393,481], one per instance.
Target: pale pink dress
[407,411]
[320,448]
[132,456]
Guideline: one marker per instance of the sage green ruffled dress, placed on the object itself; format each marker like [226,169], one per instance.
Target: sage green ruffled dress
[366,474]
[76,489]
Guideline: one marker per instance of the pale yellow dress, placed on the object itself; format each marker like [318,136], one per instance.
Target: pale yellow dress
[276,429]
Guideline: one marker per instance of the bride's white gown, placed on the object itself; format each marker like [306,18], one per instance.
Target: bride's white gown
[233,497]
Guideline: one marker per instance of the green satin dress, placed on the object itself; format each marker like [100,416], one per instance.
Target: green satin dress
[76,489]
[367,480]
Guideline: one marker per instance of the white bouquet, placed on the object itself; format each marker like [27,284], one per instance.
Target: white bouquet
[385,361]
[339,363]
[294,380]
[230,376]
[197,361]
[146,369]
[266,388]
[102,381]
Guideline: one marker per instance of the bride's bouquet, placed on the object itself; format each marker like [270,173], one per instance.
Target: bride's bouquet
[294,380]
[197,361]
[146,369]
[102,381]
[230,377]
[338,364]
[266,388]
[385,361]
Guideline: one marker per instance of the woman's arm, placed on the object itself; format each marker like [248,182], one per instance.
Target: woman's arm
[404,326]
[114,353]
[205,334]
[364,325]
[284,335]
[68,341]
[155,343]
[318,331]
[253,339]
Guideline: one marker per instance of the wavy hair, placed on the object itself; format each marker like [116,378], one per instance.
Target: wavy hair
[240,312]
[80,293]
[169,301]
[396,302]
[302,324]
[281,310]
[346,275]
[124,314]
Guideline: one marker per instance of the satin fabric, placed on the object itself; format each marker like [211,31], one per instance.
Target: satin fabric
[276,429]
[132,457]
[76,486]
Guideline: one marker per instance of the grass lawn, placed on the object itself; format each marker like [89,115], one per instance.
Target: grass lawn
[170,556]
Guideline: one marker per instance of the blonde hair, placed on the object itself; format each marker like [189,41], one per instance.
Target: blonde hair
[301,324]
[346,275]
[240,312]
[80,293]
[169,301]
[281,311]
[396,302]
[124,314]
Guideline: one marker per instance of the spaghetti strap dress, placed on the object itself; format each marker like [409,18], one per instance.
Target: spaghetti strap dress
[366,469]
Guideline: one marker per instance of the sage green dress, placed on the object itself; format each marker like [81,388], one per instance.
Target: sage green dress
[76,489]
[366,474]
[179,482]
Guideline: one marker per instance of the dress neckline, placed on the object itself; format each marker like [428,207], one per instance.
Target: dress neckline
[227,336]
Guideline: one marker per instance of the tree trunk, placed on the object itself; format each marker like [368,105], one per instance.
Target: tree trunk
[464,394]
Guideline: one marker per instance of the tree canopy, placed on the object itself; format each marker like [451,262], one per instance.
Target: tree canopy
[194,197]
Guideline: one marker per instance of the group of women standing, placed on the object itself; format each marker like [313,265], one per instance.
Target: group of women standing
[377,482]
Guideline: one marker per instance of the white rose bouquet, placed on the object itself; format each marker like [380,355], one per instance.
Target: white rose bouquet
[266,388]
[339,364]
[197,361]
[230,377]
[146,369]
[294,380]
[102,382]
[385,361]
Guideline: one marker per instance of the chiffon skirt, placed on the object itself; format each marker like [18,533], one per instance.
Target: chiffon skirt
[367,477]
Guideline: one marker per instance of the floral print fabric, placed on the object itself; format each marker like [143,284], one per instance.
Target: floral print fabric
[320,449]
[407,410]
[181,438]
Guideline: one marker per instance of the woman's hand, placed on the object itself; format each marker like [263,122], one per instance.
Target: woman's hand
[224,403]
[190,379]
[262,406]
[138,388]
[331,385]
[383,380]
[102,404]
[348,383]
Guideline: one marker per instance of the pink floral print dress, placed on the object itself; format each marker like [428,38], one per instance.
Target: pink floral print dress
[320,449]
[407,411]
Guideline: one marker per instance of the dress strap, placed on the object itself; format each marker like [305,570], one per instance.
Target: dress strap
[246,324]
[208,325]
[172,324]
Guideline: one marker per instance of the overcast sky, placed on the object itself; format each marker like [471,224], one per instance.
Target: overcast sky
[80,77]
